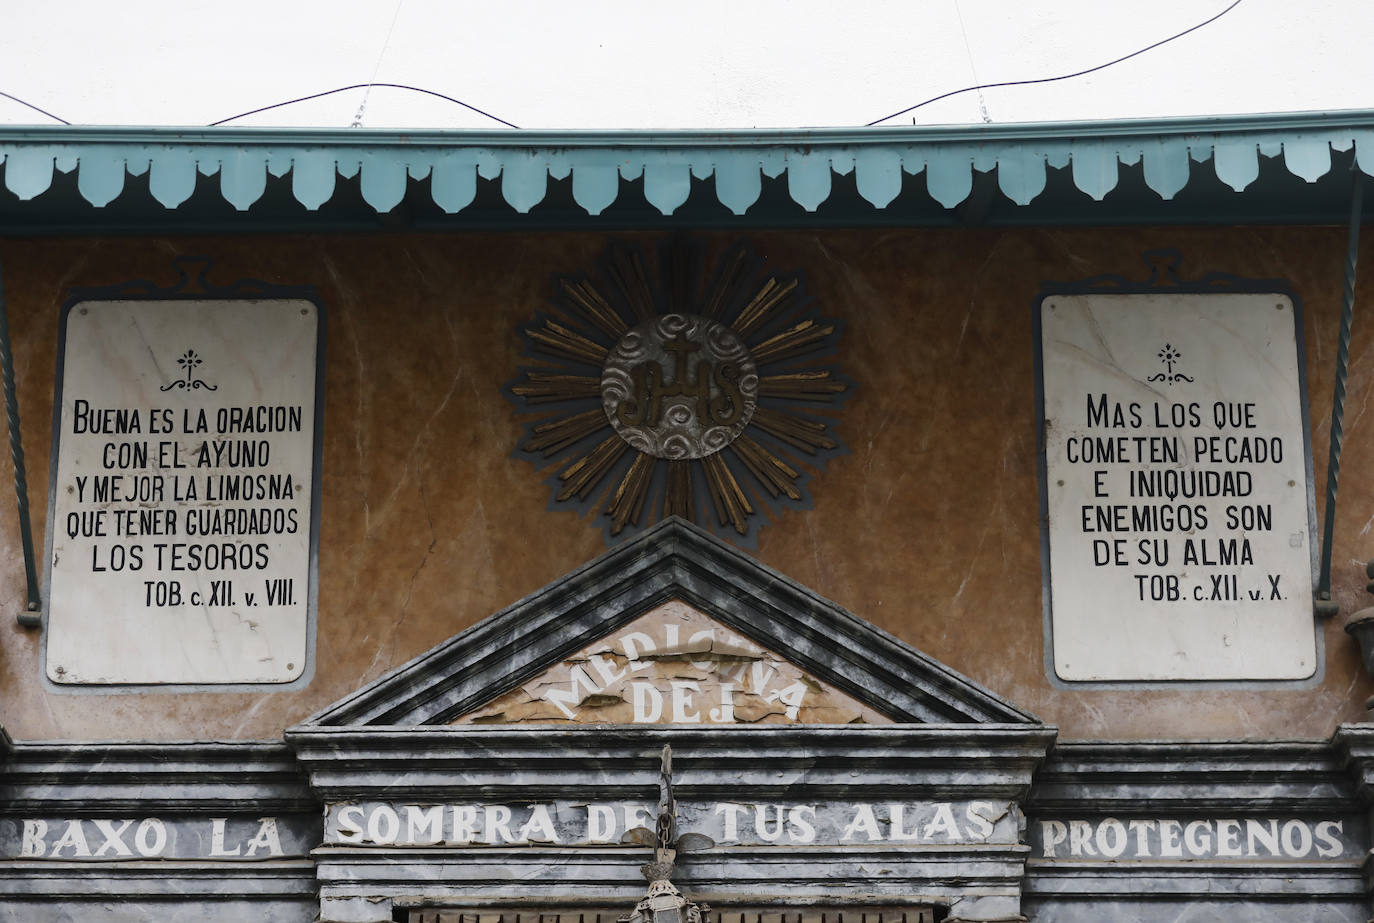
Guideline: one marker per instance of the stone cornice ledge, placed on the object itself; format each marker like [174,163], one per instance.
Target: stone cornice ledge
[602,761]
[1354,744]
[1194,776]
[153,776]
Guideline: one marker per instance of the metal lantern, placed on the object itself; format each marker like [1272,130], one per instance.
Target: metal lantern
[664,904]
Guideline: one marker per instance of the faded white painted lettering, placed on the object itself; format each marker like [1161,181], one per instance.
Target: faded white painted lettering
[1188,839]
[267,839]
[749,823]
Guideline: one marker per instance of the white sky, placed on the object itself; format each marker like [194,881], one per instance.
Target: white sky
[703,64]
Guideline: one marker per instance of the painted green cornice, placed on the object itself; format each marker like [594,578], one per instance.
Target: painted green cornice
[1245,167]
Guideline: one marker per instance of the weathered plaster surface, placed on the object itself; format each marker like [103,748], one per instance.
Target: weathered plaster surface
[682,663]
[929,529]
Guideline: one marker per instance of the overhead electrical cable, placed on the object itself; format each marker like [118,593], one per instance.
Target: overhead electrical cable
[458,102]
[360,86]
[34,108]
[1021,83]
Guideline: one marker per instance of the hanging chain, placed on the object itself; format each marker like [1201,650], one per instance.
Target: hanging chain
[667,807]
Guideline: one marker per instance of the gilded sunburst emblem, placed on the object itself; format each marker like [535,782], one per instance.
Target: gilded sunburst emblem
[666,387]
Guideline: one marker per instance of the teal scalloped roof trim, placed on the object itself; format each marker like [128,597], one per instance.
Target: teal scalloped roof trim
[1172,151]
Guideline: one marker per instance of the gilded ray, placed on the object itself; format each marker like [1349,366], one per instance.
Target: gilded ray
[807,435]
[584,297]
[581,477]
[769,300]
[677,498]
[554,435]
[776,476]
[628,500]
[734,473]
[732,506]
[544,387]
[814,385]
[557,339]
[795,340]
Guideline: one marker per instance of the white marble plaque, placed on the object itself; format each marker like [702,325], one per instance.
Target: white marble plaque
[180,547]
[1179,533]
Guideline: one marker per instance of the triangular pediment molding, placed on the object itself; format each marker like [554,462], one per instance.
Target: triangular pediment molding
[874,677]
[674,665]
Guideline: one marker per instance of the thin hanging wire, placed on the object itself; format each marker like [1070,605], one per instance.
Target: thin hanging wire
[1078,73]
[1333,469]
[973,67]
[360,86]
[30,105]
[386,43]
[21,487]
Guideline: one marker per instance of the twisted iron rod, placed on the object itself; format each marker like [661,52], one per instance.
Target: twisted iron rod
[21,487]
[1333,469]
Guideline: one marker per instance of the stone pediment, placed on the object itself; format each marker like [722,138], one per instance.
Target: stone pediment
[673,627]
[674,665]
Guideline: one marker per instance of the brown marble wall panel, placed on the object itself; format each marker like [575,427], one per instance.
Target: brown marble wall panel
[928,528]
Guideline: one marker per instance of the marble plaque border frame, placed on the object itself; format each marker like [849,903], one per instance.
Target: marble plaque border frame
[191,285]
[1163,265]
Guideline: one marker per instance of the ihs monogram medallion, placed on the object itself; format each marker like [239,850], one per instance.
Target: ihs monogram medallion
[679,386]
[669,391]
